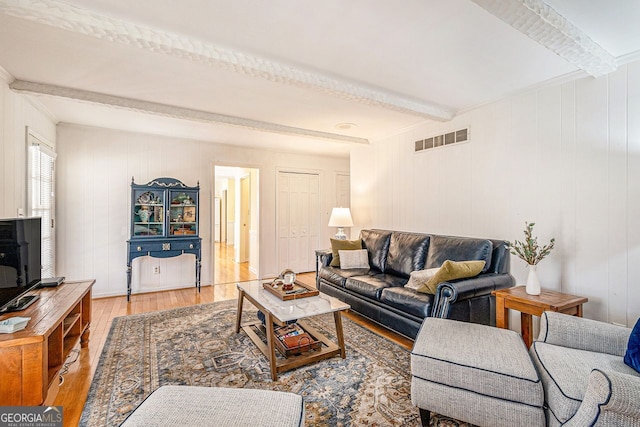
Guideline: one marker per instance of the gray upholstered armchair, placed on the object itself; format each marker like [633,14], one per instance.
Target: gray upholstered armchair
[586,382]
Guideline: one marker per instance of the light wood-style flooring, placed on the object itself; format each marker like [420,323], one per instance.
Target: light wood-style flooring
[226,270]
[73,392]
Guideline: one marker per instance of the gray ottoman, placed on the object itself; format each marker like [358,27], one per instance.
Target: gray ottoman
[213,406]
[475,373]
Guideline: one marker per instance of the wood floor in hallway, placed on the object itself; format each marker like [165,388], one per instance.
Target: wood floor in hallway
[226,270]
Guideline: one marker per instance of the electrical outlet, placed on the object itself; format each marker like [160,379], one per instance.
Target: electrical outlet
[156,269]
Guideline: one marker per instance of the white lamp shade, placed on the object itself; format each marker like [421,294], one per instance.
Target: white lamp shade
[340,217]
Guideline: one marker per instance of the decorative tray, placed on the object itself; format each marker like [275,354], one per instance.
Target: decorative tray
[300,290]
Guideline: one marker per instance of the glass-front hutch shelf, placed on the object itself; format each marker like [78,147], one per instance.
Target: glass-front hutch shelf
[148,213]
[183,214]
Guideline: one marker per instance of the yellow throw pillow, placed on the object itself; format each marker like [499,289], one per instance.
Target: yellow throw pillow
[451,270]
[344,245]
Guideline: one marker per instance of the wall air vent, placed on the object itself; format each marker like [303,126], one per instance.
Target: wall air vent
[448,138]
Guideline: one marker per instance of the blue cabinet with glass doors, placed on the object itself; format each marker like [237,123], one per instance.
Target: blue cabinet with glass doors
[164,222]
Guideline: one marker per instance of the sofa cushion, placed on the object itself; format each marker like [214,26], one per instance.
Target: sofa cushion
[451,270]
[565,373]
[407,252]
[376,242]
[372,286]
[354,259]
[337,245]
[338,276]
[442,248]
[408,300]
[632,355]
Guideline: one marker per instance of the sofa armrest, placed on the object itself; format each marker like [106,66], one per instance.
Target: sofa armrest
[583,334]
[611,398]
[463,289]
[325,257]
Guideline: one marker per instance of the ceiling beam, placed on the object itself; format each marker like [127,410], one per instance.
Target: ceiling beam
[174,111]
[82,21]
[541,23]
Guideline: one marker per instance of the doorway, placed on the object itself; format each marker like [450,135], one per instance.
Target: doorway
[235,224]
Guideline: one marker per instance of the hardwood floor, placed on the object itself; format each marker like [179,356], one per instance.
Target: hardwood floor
[73,392]
[226,270]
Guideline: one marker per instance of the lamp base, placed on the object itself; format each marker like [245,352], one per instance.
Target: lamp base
[340,234]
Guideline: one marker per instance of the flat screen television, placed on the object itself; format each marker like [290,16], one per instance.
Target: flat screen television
[20,260]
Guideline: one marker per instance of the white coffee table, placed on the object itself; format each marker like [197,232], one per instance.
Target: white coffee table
[279,311]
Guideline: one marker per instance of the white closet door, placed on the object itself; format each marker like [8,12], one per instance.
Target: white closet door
[298,220]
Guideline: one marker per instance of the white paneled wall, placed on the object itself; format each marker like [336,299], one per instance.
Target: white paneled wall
[566,157]
[95,167]
[16,113]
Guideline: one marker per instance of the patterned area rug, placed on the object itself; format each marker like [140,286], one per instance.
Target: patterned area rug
[198,346]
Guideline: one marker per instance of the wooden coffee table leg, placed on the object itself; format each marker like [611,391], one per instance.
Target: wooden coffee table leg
[239,313]
[338,318]
[271,348]
[526,326]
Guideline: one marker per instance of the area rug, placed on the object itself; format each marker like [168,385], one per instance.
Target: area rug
[198,346]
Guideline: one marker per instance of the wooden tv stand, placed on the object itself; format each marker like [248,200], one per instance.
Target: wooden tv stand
[31,359]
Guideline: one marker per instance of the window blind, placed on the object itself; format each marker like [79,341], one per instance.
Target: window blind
[41,197]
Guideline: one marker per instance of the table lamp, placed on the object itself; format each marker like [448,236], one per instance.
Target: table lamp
[340,217]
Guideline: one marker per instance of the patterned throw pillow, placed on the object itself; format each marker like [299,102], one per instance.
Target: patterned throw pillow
[632,356]
[354,259]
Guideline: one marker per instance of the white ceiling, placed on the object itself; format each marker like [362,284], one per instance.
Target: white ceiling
[282,74]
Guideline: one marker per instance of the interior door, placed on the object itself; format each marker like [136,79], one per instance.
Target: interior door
[223,217]
[245,217]
[216,219]
[298,220]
